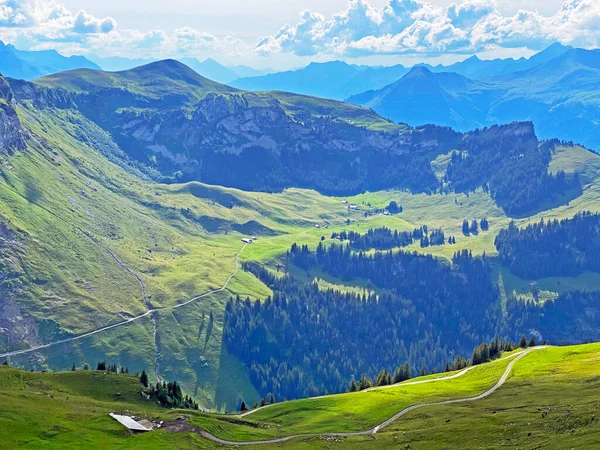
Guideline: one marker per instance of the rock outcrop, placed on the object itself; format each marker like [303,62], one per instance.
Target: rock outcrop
[11,133]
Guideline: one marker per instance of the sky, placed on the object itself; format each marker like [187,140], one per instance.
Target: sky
[285,33]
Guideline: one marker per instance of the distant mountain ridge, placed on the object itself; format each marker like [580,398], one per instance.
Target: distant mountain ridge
[29,65]
[560,96]
[340,80]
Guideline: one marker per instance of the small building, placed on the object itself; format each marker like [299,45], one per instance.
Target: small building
[385,213]
[317,226]
[353,207]
[130,424]
[344,202]
[247,240]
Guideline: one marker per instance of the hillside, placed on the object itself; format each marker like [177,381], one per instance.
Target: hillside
[552,95]
[119,244]
[549,399]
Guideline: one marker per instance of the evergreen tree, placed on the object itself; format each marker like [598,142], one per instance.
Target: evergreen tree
[523,342]
[144,378]
[484,224]
[531,342]
[271,399]
[86,366]
[101,365]
[73,368]
[263,401]
[353,387]
[465,227]
[474,227]
[243,406]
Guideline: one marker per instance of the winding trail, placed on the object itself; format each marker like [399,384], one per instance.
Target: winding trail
[149,312]
[395,417]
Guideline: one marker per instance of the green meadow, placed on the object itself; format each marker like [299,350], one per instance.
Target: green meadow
[550,400]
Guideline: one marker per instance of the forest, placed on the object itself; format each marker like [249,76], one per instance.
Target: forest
[384,238]
[424,313]
[551,248]
[305,341]
[512,167]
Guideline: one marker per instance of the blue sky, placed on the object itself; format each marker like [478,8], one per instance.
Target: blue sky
[285,33]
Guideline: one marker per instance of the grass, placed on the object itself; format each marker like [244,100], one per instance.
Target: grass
[551,400]
[62,185]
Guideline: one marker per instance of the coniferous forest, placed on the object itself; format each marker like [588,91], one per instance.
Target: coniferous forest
[552,248]
[424,313]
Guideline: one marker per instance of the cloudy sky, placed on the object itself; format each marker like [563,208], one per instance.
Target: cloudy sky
[284,33]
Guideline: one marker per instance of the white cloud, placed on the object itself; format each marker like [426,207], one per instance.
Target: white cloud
[417,27]
[400,27]
[86,23]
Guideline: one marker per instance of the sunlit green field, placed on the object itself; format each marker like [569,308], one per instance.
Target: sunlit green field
[550,400]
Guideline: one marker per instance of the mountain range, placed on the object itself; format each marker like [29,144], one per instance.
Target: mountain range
[559,96]
[29,65]
[208,68]
[340,80]
[224,238]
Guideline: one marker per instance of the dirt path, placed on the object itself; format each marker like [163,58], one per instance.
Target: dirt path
[150,312]
[395,417]
[405,383]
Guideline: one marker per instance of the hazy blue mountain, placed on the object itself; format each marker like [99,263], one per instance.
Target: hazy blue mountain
[476,68]
[247,71]
[339,80]
[117,63]
[211,69]
[451,99]
[560,96]
[29,65]
[318,79]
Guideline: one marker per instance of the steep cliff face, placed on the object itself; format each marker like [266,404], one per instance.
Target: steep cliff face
[11,133]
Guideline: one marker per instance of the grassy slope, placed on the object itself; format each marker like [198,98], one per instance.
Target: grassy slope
[72,281]
[152,81]
[550,400]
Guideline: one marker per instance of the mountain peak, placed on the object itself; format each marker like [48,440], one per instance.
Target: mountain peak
[418,72]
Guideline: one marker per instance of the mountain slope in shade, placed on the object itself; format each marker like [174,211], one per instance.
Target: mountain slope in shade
[450,99]
[29,65]
[560,96]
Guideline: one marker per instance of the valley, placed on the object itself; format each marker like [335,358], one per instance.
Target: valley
[125,199]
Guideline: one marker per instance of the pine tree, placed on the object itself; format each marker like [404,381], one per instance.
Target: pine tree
[271,399]
[523,342]
[243,406]
[86,366]
[101,365]
[353,387]
[263,401]
[474,227]
[73,368]
[144,378]
[531,342]
[465,227]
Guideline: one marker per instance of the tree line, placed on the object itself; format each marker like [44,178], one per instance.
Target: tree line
[551,248]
